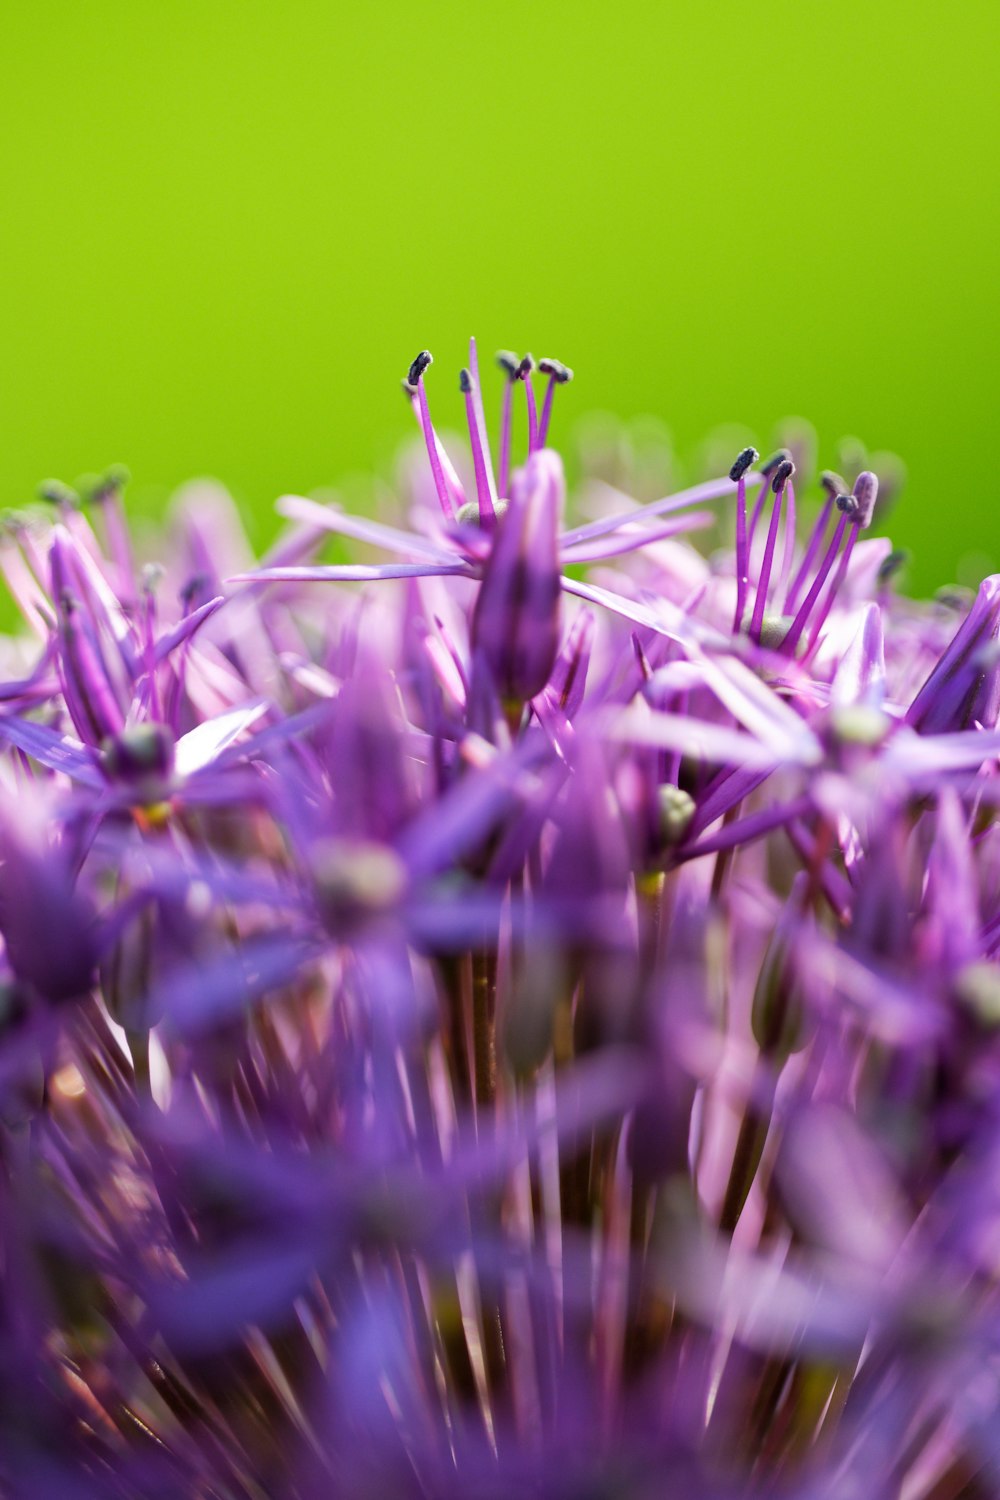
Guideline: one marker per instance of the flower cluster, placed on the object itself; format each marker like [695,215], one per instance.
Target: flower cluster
[528,1026]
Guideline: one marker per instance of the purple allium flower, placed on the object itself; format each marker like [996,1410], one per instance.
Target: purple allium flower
[528,1026]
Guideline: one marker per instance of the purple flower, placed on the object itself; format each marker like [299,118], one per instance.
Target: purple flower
[530,1026]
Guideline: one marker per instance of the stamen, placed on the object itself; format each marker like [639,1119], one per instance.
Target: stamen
[487,501]
[414,386]
[891,565]
[477,399]
[107,494]
[62,496]
[767,470]
[738,473]
[559,374]
[864,494]
[802,615]
[789,553]
[834,486]
[510,364]
[780,475]
[858,508]
[524,370]
[423,360]
[744,460]
[832,591]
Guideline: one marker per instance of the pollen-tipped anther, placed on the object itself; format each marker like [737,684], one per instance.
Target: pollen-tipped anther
[525,368]
[61,495]
[417,368]
[509,363]
[782,474]
[891,565]
[832,483]
[465,382]
[109,484]
[744,460]
[864,494]
[559,372]
[768,467]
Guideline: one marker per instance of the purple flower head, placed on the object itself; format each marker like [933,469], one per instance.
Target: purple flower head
[519,1018]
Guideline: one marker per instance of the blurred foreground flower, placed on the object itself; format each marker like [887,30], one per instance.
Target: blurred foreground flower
[507,1031]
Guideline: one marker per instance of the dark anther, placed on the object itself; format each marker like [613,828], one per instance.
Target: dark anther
[418,367]
[890,566]
[560,373]
[833,484]
[464,382]
[525,368]
[744,460]
[109,484]
[508,362]
[59,494]
[782,475]
[768,468]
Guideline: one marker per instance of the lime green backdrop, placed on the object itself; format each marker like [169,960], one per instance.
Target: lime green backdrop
[227,225]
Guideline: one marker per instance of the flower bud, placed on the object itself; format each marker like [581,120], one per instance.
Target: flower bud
[516,619]
[141,759]
[356,879]
[963,688]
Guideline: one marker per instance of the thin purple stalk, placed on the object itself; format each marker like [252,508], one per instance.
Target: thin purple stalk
[430,439]
[832,593]
[503,484]
[799,623]
[742,552]
[758,507]
[546,417]
[529,395]
[764,577]
[744,830]
[485,488]
[487,510]
[812,547]
[789,551]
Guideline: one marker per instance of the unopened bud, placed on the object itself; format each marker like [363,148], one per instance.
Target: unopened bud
[142,759]
[676,812]
[468,514]
[355,879]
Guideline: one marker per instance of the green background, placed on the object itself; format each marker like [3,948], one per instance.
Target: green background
[227,225]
